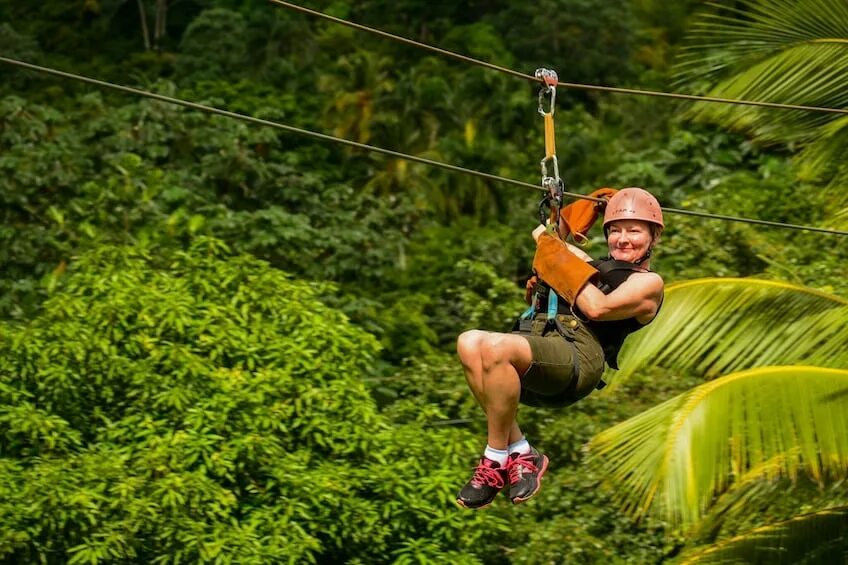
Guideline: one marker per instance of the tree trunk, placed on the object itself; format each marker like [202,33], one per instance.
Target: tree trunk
[161,21]
[142,14]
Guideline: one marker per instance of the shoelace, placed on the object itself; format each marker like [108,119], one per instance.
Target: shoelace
[484,475]
[520,464]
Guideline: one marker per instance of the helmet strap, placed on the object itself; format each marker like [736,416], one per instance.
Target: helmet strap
[649,253]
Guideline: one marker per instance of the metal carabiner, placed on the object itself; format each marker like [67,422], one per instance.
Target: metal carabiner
[553,201]
[544,165]
[553,185]
[556,188]
[550,80]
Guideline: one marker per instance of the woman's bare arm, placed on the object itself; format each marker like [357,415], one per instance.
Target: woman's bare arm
[638,297]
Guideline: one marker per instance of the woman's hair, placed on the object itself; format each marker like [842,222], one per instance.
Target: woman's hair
[656,231]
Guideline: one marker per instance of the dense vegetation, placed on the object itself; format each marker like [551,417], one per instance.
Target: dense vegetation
[222,342]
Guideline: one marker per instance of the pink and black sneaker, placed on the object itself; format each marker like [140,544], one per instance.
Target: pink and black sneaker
[525,474]
[488,480]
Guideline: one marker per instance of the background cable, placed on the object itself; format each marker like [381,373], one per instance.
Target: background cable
[277,125]
[372,148]
[574,85]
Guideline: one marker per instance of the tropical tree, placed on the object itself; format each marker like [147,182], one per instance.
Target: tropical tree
[169,406]
[768,419]
[224,29]
[787,51]
[678,457]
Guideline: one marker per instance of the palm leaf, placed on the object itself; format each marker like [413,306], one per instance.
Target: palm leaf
[817,537]
[823,159]
[761,488]
[810,74]
[813,75]
[840,219]
[756,493]
[718,326]
[787,51]
[731,38]
[677,457]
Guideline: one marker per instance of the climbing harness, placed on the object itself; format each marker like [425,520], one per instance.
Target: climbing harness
[553,322]
[612,273]
[552,185]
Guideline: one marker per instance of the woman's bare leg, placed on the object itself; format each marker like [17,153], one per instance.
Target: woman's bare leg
[492,363]
[468,347]
[503,358]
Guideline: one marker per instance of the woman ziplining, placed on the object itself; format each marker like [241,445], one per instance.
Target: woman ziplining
[556,355]
[581,312]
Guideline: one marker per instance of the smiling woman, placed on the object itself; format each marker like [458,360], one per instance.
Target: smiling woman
[629,240]
[582,312]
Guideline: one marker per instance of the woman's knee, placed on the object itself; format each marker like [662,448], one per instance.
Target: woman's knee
[468,343]
[499,349]
[493,351]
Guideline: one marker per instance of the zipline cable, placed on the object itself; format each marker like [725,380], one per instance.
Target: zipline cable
[375,149]
[268,123]
[574,85]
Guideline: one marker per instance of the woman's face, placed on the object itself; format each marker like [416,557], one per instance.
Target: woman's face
[629,240]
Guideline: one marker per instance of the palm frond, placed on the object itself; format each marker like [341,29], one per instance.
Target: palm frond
[817,537]
[749,490]
[729,38]
[718,326]
[813,74]
[825,153]
[676,458]
[840,219]
[786,51]
[754,493]
[823,159]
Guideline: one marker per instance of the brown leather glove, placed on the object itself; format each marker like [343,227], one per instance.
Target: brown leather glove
[578,217]
[530,288]
[561,269]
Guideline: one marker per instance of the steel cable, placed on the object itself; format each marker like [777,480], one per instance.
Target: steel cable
[573,85]
[372,148]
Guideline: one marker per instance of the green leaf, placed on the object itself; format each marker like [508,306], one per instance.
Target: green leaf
[785,51]
[674,459]
[718,326]
[817,537]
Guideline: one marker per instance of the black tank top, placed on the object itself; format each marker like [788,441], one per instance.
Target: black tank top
[611,335]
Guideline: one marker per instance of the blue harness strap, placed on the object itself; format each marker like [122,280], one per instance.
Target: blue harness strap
[553,322]
[553,305]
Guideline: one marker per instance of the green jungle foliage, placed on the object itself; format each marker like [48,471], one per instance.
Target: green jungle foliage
[193,406]
[223,342]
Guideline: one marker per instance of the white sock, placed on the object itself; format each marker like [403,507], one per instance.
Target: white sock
[499,455]
[521,446]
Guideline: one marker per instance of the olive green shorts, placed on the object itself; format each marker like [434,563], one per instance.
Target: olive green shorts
[565,367]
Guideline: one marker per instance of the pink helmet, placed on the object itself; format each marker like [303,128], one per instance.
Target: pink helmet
[633,204]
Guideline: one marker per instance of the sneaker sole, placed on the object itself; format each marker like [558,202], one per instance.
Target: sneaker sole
[519,500]
[462,505]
